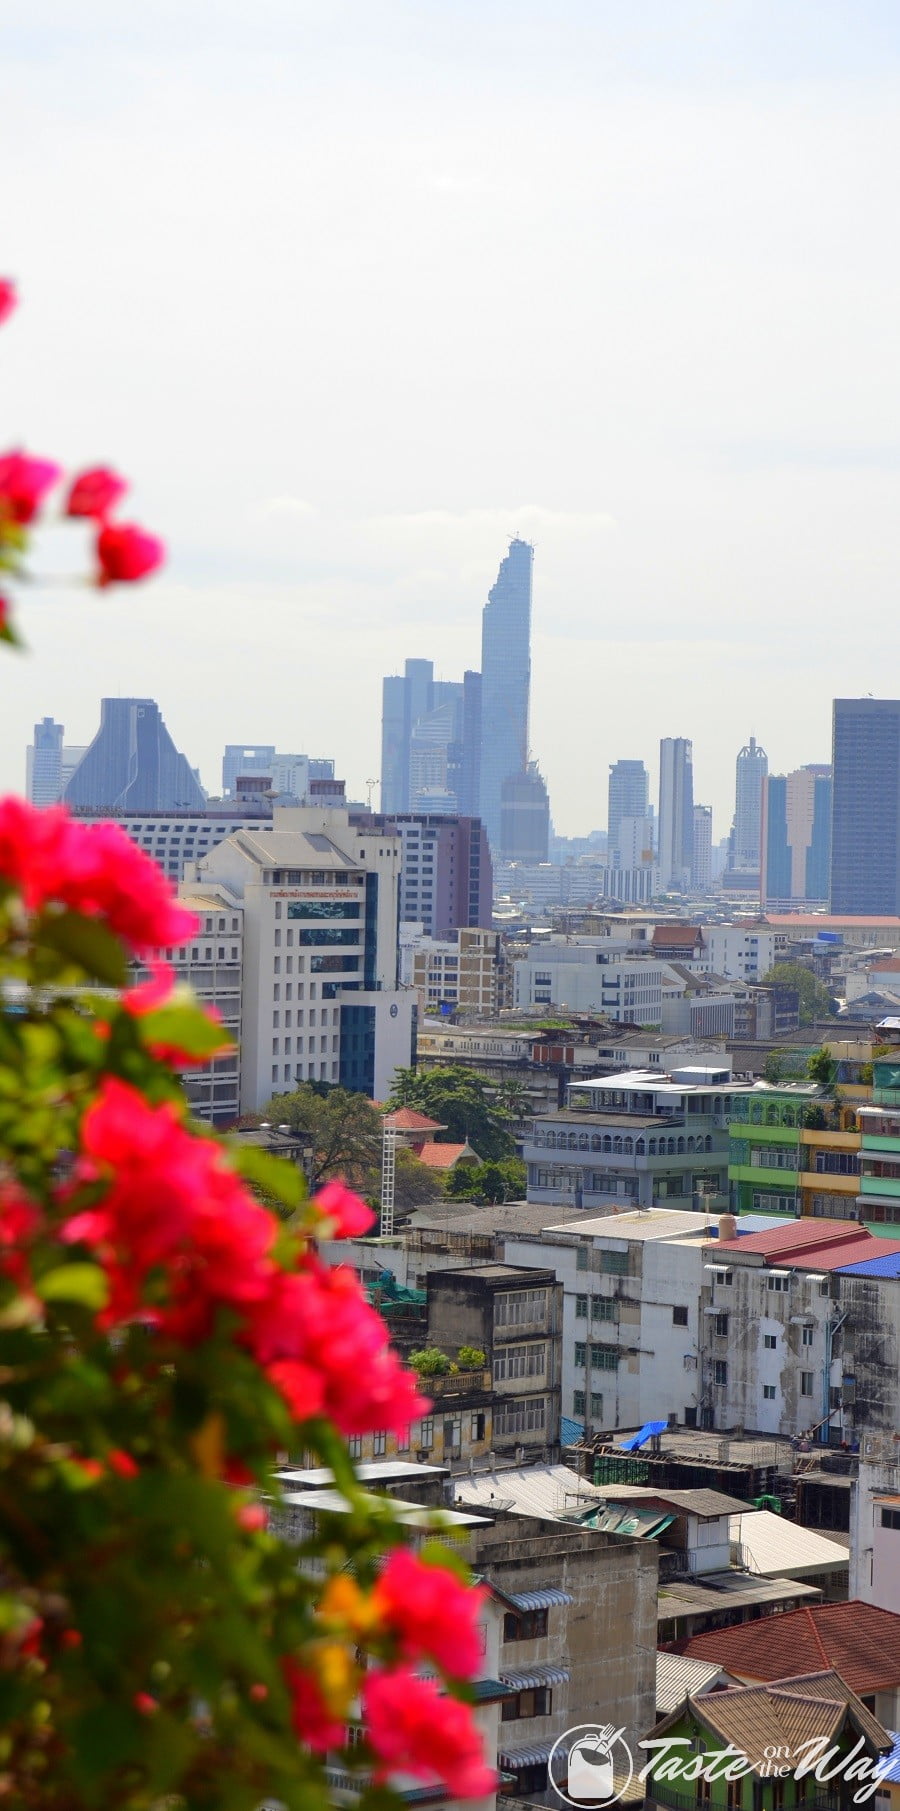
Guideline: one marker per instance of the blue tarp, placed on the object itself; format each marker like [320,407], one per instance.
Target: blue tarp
[644,1433]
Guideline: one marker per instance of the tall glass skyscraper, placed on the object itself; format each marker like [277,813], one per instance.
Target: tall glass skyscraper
[796,841]
[865,812]
[505,683]
[676,812]
[751,768]
[629,796]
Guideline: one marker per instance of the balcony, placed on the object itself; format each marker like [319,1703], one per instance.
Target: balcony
[458,1383]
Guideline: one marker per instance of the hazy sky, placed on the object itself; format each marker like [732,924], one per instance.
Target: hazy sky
[356,289]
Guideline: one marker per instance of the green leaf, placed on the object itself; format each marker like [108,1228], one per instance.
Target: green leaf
[86,942]
[183,1027]
[282,1179]
[85,1284]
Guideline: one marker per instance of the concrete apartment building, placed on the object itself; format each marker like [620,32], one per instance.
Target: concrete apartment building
[458,974]
[212,963]
[636,1139]
[514,1315]
[320,995]
[779,1163]
[445,867]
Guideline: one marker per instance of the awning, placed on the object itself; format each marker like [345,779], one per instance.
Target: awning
[538,1600]
[537,1676]
[531,1757]
[644,1433]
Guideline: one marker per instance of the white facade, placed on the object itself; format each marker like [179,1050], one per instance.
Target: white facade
[701,865]
[676,811]
[320,947]
[212,962]
[590,976]
[178,840]
[740,953]
[632,1315]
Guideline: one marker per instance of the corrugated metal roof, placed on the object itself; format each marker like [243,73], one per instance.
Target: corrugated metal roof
[570,1430]
[888,1265]
[701,1502]
[539,1600]
[534,1676]
[551,1492]
[532,1756]
[678,1677]
[893,1772]
[776,1547]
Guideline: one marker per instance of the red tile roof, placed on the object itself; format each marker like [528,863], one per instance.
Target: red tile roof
[440,1156]
[857,1639]
[812,1244]
[406,1119]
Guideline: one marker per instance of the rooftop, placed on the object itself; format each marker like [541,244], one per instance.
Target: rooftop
[678,1677]
[813,1244]
[713,1592]
[706,1504]
[754,1718]
[776,1546]
[552,1493]
[406,1119]
[441,1156]
[633,1223]
[857,1639]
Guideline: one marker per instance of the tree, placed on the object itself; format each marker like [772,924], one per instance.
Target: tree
[512,1099]
[488,1182]
[414,1183]
[458,1099]
[345,1132]
[773,1071]
[815,1000]
[163,1339]
[822,1069]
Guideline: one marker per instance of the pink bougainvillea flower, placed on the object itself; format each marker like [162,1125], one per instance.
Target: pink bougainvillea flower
[94,869]
[24,483]
[313,1719]
[414,1729]
[319,1318]
[344,1214]
[9,298]
[94,493]
[122,1463]
[126,553]
[148,995]
[431,1612]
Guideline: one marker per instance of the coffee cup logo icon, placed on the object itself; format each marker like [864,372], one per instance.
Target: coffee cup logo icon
[590,1766]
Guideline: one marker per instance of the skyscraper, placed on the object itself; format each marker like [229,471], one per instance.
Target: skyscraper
[133,765]
[239,760]
[701,856]
[43,763]
[406,699]
[676,812]
[865,812]
[524,817]
[796,837]
[751,768]
[505,682]
[629,796]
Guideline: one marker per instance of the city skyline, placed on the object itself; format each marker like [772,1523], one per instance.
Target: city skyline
[707,512]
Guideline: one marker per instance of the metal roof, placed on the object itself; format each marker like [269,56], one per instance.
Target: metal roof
[530,1757]
[700,1501]
[538,1600]
[551,1492]
[678,1677]
[534,1677]
[777,1547]
[888,1265]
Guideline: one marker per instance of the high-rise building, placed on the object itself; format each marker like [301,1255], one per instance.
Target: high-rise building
[796,837]
[49,763]
[132,765]
[751,769]
[239,760]
[676,812]
[43,777]
[865,813]
[524,817]
[320,1000]
[629,797]
[701,858]
[446,880]
[430,741]
[505,683]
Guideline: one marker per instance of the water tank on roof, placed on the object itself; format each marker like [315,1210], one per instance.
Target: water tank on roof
[727,1226]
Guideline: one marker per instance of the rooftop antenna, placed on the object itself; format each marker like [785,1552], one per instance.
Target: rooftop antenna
[369,786]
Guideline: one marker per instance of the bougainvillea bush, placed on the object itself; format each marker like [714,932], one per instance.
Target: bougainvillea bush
[164,1338]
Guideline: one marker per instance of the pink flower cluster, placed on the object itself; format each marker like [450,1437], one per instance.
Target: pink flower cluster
[414,1728]
[430,1613]
[181,1239]
[49,858]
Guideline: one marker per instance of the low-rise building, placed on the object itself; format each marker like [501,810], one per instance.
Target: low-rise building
[459,974]
[793,1151]
[212,961]
[514,1315]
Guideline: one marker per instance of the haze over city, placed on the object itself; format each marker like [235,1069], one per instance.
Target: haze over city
[368,289]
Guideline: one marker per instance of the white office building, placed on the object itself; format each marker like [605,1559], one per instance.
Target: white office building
[320,994]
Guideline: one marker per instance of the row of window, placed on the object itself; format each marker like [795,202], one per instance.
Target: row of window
[621,1144]
[579,1404]
[603,1308]
[298,1044]
[529,1415]
[291,1074]
[519,1361]
[602,1358]
[527,1307]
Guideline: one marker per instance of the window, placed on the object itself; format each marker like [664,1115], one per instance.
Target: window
[580,1354]
[806,1383]
[579,1402]
[596,1406]
[519,1361]
[806,1336]
[527,1704]
[525,1625]
[604,1358]
[770,1341]
[581,1258]
[379,1444]
[777,1284]
[604,1308]
[890,1518]
[720,1372]
[527,1307]
[477,1425]
[528,1415]
[581,1307]
[426,1433]
[769,1392]
[679,1317]
[722,1326]
[614,1263]
[354,1446]
[403,1441]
